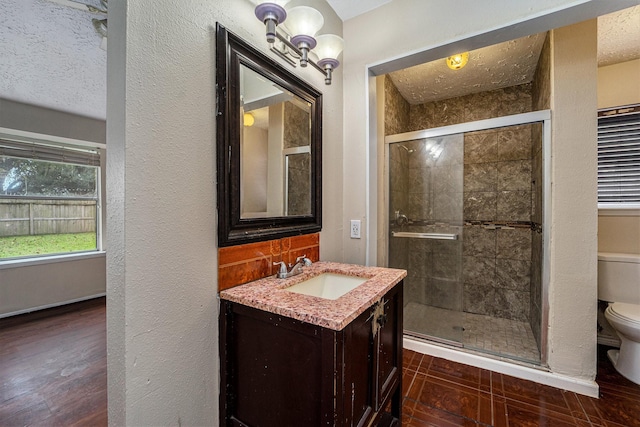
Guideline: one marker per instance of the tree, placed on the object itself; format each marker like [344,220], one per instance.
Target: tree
[30,177]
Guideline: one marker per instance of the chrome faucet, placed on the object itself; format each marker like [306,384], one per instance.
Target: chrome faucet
[301,261]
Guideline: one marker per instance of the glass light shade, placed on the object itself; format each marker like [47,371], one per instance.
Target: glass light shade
[248,119]
[304,20]
[328,46]
[458,61]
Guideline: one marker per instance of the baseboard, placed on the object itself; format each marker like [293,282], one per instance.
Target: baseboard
[530,373]
[53,305]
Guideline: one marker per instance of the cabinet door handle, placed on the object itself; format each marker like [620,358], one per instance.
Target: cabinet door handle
[382,319]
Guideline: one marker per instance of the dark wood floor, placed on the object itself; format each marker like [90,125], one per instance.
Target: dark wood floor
[53,367]
[442,393]
[53,373]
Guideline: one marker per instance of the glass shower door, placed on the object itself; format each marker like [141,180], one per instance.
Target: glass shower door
[425,233]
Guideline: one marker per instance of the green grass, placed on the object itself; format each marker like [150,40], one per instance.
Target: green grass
[18,246]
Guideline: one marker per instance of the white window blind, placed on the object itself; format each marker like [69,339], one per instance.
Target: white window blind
[619,155]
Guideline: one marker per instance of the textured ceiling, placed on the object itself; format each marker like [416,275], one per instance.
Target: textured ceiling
[619,36]
[513,62]
[506,64]
[50,56]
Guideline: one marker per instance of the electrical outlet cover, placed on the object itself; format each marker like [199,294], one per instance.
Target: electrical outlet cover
[355,228]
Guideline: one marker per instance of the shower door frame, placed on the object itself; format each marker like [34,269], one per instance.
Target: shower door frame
[540,116]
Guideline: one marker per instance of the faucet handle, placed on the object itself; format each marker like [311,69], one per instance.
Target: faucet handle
[304,259]
[283,267]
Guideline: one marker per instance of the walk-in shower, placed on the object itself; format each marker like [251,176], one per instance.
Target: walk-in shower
[465,219]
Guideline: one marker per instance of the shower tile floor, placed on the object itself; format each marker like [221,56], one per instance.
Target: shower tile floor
[496,336]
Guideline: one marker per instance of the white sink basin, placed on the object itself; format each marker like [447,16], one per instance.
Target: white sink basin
[327,285]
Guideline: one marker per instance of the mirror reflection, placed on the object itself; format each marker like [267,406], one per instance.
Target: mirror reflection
[275,149]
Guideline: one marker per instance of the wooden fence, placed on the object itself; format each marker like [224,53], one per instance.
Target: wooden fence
[22,217]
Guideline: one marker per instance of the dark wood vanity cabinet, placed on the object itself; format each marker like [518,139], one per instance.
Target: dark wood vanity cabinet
[278,372]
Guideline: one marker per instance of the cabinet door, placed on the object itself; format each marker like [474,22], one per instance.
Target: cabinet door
[358,368]
[276,371]
[388,346]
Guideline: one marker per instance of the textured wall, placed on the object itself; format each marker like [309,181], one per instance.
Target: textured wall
[468,108]
[573,246]
[162,308]
[396,118]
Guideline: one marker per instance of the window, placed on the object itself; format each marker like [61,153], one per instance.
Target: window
[619,157]
[49,197]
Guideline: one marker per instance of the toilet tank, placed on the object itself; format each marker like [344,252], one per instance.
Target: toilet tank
[619,277]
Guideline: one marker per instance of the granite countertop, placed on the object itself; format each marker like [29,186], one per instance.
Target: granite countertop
[268,294]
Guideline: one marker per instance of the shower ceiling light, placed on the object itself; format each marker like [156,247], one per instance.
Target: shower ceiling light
[248,119]
[303,24]
[458,61]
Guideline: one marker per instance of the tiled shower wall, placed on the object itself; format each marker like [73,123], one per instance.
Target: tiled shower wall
[501,171]
[497,231]
[296,134]
[427,187]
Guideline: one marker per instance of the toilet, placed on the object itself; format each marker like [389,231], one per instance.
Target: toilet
[619,284]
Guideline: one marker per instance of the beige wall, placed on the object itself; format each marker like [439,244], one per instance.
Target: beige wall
[572,290]
[618,85]
[618,233]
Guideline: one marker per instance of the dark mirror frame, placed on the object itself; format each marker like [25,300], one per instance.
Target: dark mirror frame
[231,52]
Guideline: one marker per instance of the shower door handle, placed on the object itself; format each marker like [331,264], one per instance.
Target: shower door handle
[436,236]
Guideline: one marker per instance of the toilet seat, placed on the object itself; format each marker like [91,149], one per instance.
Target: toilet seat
[626,312]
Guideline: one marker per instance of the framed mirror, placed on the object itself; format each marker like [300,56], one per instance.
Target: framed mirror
[269,147]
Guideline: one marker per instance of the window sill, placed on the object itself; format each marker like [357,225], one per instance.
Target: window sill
[27,262]
[632,210]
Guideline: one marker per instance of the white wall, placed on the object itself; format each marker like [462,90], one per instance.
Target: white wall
[51,282]
[408,32]
[162,307]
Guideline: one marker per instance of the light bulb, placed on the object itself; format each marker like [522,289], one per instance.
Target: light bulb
[458,61]
[248,119]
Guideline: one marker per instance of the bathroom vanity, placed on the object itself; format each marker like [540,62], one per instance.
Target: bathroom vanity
[291,358]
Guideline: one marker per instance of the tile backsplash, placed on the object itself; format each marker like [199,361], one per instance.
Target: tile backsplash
[245,263]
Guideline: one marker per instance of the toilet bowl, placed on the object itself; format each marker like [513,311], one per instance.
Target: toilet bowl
[619,284]
[625,319]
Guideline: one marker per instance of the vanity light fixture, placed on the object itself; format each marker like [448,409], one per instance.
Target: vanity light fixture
[327,50]
[299,39]
[304,22]
[272,13]
[458,61]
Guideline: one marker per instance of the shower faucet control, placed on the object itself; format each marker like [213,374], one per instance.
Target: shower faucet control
[401,219]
